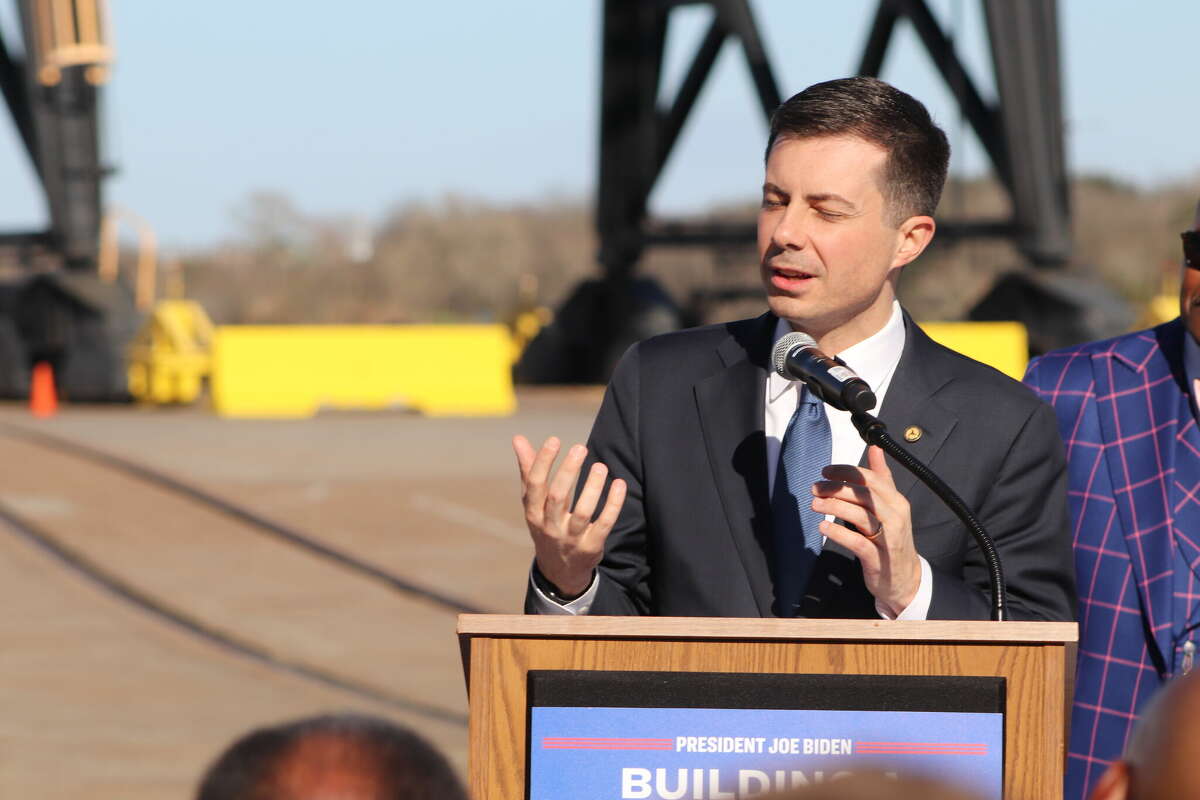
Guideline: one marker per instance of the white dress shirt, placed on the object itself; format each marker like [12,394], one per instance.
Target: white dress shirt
[874,359]
[1191,364]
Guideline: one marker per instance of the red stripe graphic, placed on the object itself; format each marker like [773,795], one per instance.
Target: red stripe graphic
[922,748]
[919,747]
[921,744]
[959,751]
[563,743]
[600,747]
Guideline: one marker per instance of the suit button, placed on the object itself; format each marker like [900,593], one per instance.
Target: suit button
[912,433]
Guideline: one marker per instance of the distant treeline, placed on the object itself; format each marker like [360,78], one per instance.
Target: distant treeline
[464,260]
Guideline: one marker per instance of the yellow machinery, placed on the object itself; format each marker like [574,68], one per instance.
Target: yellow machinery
[289,371]
[170,357]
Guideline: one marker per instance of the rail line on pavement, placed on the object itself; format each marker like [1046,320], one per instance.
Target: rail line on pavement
[252,519]
[160,608]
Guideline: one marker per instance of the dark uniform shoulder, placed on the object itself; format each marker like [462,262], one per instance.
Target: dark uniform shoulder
[703,343]
[973,380]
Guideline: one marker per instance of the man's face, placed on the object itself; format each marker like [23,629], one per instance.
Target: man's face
[1189,293]
[825,243]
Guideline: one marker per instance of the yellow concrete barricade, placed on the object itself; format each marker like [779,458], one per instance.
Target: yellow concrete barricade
[1003,345]
[297,370]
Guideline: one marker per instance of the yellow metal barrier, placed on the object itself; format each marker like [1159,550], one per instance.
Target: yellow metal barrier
[1003,345]
[169,358]
[1162,308]
[295,371]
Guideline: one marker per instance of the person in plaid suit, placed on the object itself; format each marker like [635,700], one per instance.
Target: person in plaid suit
[1126,410]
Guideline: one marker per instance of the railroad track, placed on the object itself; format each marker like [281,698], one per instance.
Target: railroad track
[72,557]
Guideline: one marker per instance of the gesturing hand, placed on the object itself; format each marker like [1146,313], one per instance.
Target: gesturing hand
[567,544]
[883,543]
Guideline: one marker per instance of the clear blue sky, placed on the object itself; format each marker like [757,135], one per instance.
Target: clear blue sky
[351,108]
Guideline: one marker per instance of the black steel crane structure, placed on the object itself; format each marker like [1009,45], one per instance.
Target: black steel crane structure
[1021,133]
[57,310]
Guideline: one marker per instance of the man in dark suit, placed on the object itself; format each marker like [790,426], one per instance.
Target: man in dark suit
[1127,410]
[732,491]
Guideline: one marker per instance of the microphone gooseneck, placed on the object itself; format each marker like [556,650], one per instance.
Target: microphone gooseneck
[875,432]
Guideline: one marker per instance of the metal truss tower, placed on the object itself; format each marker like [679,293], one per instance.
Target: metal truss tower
[59,311]
[1022,135]
[52,94]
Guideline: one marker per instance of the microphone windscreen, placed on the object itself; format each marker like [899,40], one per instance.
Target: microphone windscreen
[785,345]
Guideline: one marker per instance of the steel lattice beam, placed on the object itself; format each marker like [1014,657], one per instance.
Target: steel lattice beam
[59,127]
[637,136]
[1022,134]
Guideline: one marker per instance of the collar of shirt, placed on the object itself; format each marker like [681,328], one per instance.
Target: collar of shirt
[874,358]
[1191,364]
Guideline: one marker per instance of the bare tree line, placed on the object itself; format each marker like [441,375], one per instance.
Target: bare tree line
[462,260]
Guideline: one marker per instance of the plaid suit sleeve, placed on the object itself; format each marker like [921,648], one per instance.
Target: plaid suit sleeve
[1115,673]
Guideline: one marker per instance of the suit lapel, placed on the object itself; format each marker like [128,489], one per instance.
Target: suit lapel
[1138,387]
[910,403]
[1185,484]
[731,405]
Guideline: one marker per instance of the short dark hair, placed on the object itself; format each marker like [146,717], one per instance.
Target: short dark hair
[404,765]
[877,112]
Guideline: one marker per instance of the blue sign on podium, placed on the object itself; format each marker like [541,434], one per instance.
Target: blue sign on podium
[722,736]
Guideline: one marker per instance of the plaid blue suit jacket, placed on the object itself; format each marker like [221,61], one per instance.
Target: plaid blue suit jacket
[1125,414]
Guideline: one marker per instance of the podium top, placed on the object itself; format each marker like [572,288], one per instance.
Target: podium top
[740,628]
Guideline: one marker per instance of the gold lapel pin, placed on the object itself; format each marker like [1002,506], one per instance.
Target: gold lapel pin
[912,433]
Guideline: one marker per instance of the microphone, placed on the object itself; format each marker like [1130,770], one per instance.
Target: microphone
[797,358]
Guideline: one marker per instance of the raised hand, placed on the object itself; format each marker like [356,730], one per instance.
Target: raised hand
[883,543]
[567,543]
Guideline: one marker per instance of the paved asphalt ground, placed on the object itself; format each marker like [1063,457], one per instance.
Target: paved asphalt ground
[102,699]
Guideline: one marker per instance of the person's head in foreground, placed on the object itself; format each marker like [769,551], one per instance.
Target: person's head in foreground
[877,786]
[342,756]
[1161,758]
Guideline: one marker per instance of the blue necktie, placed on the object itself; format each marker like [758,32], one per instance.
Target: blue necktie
[806,449]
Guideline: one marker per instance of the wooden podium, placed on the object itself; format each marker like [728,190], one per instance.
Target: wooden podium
[1036,659]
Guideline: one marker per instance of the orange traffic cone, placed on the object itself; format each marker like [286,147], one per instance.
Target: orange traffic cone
[43,399]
